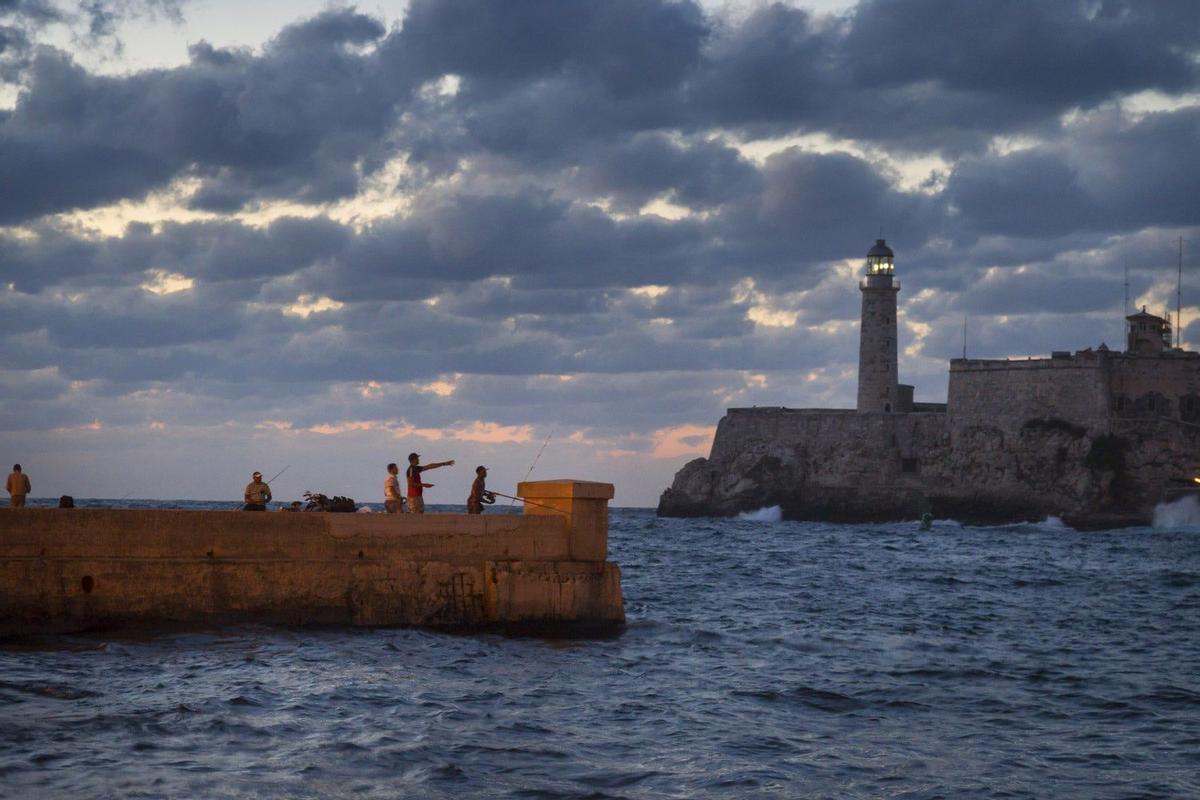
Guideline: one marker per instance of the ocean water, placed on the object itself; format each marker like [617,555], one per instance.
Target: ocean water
[762,659]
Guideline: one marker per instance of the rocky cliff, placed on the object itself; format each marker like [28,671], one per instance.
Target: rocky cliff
[846,466]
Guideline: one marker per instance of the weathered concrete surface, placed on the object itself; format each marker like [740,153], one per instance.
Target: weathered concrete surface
[81,568]
[585,505]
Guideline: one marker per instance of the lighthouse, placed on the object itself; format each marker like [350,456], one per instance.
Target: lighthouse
[878,380]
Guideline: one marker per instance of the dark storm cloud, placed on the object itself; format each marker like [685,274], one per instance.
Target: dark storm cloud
[625,45]
[300,121]
[940,74]
[1110,176]
[1031,57]
[211,251]
[810,207]
[539,240]
[698,175]
[552,86]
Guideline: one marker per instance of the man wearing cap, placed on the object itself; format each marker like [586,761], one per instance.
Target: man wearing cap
[393,501]
[416,499]
[480,496]
[258,494]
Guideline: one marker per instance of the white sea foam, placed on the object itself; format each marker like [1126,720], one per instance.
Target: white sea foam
[365,510]
[768,514]
[1182,513]
[1054,522]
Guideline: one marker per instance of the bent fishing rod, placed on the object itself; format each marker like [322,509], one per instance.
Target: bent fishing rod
[523,500]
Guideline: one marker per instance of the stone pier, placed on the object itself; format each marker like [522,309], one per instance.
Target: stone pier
[75,569]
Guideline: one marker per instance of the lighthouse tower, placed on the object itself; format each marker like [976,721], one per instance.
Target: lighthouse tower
[878,381]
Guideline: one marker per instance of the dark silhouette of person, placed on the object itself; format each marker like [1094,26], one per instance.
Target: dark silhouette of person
[18,486]
[480,496]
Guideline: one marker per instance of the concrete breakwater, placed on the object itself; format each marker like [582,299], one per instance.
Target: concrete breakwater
[70,570]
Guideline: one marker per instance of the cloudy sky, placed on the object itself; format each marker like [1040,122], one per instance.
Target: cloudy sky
[251,235]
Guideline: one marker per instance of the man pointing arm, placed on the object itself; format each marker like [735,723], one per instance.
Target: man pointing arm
[416,487]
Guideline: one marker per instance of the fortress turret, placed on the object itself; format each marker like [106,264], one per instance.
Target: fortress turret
[878,383]
[1148,334]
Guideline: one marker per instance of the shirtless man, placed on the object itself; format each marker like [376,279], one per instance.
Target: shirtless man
[480,496]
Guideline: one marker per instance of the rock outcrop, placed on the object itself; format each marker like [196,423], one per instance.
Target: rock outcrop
[848,466]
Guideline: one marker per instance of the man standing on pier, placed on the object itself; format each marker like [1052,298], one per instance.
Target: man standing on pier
[393,501]
[257,495]
[18,486]
[480,496]
[416,499]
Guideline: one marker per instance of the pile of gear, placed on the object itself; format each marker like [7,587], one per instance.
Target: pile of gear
[315,501]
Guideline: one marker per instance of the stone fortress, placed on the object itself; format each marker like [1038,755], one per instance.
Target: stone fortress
[1097,437]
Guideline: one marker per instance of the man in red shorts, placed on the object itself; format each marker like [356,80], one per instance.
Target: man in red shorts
[416,502]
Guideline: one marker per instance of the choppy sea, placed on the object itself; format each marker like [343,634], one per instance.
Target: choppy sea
[762,659]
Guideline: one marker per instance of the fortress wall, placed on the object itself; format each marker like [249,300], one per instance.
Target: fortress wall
[836,444]
[741,425]
[1007,393]
[847,466]
[78,568]
[816,464]
[1172,377]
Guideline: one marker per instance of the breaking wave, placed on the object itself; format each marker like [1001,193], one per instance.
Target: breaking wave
[1182,513]
[767,514]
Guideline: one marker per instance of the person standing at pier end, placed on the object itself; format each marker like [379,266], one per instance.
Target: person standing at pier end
[416,488]
[257,494]
[393,501]
[480,496]
[18,486]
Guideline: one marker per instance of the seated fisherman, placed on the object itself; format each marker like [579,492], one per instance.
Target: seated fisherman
[480,496]
[257,494]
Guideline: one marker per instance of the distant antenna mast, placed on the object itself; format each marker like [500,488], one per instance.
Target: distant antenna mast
[964,337]
[1125,312]
[1179,300]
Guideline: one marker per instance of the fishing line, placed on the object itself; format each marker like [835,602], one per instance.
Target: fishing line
[534,464]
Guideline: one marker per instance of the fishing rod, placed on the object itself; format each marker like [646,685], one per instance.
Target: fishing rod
[277,474]
[527,502]
[536,459]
